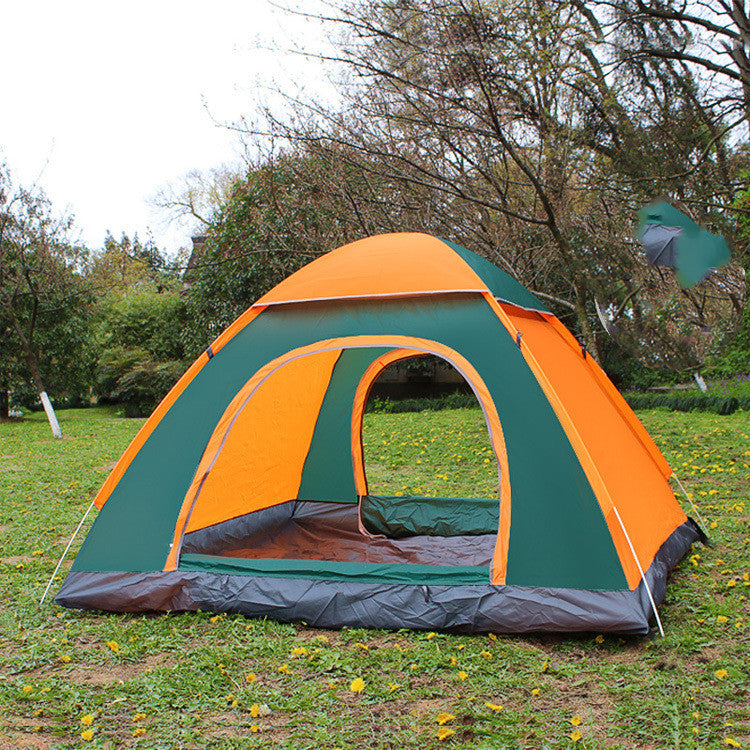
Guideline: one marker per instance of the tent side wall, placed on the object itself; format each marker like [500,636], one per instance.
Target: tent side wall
[632,489]
[558,534]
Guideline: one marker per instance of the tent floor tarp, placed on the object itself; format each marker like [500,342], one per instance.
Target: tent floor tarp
[357,603]
[331,531]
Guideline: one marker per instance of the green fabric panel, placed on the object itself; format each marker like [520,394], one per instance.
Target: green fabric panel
[328,474]
[399,517]
[338,571]
[501,284]
[558,537]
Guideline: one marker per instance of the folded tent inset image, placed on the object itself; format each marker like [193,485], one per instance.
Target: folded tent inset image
[670,238]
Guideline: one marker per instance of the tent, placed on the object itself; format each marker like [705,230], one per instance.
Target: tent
[246,490]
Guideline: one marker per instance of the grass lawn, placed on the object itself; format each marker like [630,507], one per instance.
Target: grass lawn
[80,679]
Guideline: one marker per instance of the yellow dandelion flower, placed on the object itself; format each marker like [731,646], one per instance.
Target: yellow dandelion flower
[299,651]
[722,619]
[254,728]
[284,669]
[138,732]
[87,720]
[454,661]
[731,584]
[322,638]
[358,685]
[138,717]
[430,636]
[535,691]
[462,675]
[599,639]
[393,687]
[444,718]
[721,673]
[575,736]
[255,710]
[487,655]
[26,689]
[87,735]
[493,706]
[215,618]
[362,646]
[65,658]
[250,678]
[731,742]
[576,721]
[114,647]
[444,732]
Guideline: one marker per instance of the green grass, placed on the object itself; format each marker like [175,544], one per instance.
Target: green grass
[181,681]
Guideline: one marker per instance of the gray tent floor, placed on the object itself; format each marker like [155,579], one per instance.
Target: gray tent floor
[330,531]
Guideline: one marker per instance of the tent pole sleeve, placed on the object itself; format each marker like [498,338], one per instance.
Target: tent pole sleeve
[643,575]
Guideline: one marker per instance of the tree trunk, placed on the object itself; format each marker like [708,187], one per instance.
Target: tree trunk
[33,365]
[4,404]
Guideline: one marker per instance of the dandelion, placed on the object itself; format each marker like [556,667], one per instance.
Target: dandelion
[65,658]
[721,673]
[138,717]
[215,618]
[454,661]
[444,718]
[493,706]
[487,655]
[599,639]
[138,732]
[731,742]
[462,675]
[26,689]
[87,735]
[358,685]
[322,638]
[254,728]
[535,691]
[250,678]
[87,720]
[284,669]
[576,721]
[445,732]
[255,710]
[575,736]
[362,646]
[299,651]
[393,687]
[722,619]
[113,646]
[430,636]
[492,636]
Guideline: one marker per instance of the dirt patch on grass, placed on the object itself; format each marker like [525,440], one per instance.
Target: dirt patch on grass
[234,725]
[105,674]
[19,732]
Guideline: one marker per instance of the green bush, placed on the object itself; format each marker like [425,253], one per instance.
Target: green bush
[434,403]
[135,379]
[690,402]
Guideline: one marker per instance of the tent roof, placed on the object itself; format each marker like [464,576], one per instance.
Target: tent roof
[398,265]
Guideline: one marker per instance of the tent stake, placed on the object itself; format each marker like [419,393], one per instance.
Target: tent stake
[640,570]
[692,504]
[75,534]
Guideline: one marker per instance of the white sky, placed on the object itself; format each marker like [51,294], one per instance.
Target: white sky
[110,96]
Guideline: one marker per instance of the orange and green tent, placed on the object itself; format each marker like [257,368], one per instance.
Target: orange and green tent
[246,490]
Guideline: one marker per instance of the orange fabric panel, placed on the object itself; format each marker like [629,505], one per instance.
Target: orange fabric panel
[618,401]
[619,467]
[255,457]
[386,265]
